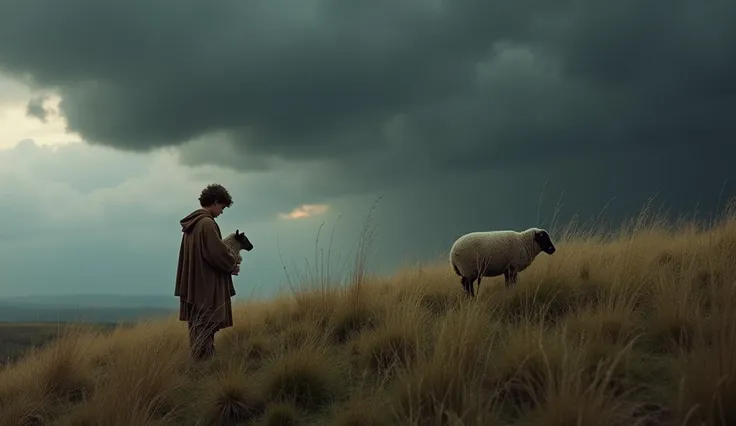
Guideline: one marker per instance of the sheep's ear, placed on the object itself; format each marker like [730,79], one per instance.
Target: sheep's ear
[237,232]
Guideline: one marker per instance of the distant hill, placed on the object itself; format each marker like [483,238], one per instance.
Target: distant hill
[98,300]
[97,308]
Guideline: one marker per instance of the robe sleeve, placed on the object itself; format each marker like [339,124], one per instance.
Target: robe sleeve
[214,251]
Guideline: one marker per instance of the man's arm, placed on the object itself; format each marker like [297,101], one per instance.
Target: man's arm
[214,251]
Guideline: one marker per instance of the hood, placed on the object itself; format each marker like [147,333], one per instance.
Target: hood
[187,223]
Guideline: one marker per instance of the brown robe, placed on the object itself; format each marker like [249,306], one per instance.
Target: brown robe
[204,283]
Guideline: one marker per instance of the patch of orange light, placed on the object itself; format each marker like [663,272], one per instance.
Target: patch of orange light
[305,211]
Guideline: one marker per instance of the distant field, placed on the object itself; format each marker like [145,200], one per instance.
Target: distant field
[47,313]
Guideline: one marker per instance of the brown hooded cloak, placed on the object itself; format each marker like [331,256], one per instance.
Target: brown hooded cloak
[203,277]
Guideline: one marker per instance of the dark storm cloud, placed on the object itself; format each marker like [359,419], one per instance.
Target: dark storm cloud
[406,89]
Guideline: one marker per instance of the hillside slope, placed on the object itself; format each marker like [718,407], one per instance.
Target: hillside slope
[634,328]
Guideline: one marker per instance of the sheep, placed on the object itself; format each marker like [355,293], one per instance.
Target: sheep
[237,241]
[489,254]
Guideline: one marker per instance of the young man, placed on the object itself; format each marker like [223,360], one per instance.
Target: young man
[203,276]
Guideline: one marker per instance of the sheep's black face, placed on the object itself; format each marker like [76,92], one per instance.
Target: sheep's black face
[545,242]
[243,241]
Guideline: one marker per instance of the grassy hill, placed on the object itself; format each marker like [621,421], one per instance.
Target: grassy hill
[636,327]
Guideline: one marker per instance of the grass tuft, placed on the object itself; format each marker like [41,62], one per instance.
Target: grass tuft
[280,414]
[230,397]
[306,378]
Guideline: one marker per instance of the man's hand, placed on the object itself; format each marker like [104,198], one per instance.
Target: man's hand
[236,271]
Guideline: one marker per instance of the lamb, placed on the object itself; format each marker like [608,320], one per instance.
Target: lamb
[492,253]
[236,242]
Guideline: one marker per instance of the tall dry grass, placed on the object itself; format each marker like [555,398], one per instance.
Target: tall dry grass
[634,327]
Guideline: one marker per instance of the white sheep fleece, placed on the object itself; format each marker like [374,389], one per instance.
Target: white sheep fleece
[496,250]
[234,246]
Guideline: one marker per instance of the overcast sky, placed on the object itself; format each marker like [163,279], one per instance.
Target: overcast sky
[113,116]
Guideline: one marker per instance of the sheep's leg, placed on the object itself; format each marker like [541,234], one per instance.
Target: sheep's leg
[471,286]
[510,276]
[480,277]
[467,285]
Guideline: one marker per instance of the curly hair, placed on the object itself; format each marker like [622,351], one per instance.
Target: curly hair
[215,193]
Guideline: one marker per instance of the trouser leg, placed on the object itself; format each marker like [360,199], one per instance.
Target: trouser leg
[202,338]
[209,346]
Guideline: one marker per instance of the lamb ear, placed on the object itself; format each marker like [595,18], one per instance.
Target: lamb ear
[237,232]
